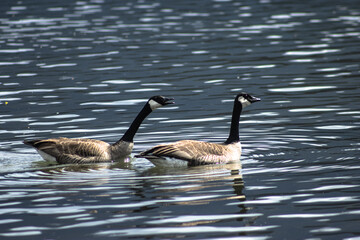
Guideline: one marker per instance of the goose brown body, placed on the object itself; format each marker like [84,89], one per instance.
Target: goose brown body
[194,153]
[79,150]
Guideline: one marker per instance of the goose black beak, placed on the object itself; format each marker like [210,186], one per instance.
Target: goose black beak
[254,99]
[168,101]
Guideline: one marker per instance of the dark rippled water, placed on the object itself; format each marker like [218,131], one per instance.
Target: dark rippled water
[85,68]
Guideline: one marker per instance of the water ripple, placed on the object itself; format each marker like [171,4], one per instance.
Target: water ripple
[198,218]
[181,230]
[301,89]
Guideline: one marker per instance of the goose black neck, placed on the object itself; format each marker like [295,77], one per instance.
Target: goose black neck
[234,128]
[130,133]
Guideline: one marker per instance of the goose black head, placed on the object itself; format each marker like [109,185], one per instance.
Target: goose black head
[246,99]
[159,101]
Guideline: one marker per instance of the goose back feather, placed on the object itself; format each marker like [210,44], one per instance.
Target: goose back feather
[74,150]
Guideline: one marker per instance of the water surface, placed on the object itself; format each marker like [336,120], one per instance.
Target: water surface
[85,68]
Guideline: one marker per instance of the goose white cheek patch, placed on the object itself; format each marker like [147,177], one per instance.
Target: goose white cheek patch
[244,102]
[154,105]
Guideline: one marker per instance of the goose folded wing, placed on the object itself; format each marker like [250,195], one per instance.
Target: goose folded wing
[66,146]
[204,152]
[189,150]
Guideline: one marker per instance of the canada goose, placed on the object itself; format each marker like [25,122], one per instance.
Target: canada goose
[78,150]
[191,152]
